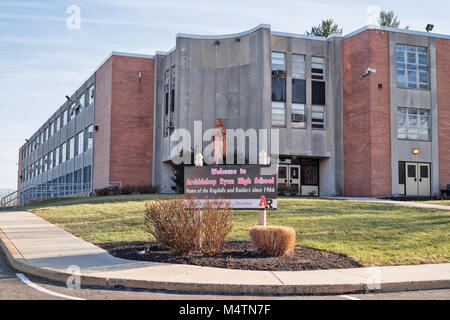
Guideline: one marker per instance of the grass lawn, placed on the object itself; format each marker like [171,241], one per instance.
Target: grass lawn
[370,233]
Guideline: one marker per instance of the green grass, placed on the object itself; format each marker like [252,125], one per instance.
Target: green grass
[370,233]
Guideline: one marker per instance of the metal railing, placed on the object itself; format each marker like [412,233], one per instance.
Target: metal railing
[53,190]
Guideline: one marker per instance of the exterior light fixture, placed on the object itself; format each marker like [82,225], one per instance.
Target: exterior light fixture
[140,75]
[416,151]
[429,27]
[368,72]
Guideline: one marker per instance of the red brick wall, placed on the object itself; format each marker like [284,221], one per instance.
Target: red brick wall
[443,102]
[103,86]
[366,116]
[132,120]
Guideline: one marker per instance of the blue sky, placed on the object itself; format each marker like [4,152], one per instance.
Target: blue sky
[41,60]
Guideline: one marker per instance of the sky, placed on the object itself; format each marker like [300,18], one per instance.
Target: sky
[45,54]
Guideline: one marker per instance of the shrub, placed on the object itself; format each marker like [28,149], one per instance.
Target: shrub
[172,225]
[273,240]
[216,221]
[127,189]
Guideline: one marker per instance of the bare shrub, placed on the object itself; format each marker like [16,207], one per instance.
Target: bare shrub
[216,221]
[273,240]
[172,225]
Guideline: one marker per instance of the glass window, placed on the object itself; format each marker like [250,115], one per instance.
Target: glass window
[89,137]
[412,66]
[173,76]
[81,103]
[278,63]
[52,129]
[318,92]
[79,142]
[318,117]
[50,160]
[317,68]
[64,118]
[91,94]
[413,124]
[72,111]
[278,89]
[63,152]
[45,163]
[166,80]
[56,156]
[298,115]
[298,66]
[71,148]
[298,91]
[278,113]
[309,175]
[57,124]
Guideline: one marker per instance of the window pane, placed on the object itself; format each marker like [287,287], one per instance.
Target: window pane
[411,57]
[298,91]
[423,59]
[298,115]
[318,92]
[401,75]
[298,66]
[91,94]
[278,113]
[278,89]
[278,61]
[401,123]
[317,117]
[400,56]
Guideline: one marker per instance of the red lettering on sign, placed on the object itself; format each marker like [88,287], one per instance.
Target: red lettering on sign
[262,202]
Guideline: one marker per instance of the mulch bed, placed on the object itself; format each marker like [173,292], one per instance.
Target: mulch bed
[236,255]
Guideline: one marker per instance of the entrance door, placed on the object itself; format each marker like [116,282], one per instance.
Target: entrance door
[424,179]
[417,179]
[412,188]
[282,178]
[294,179]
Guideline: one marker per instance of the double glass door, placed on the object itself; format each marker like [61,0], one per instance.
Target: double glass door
[289,178]
[417,179]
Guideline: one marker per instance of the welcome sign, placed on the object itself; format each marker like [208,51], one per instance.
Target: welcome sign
[243,185]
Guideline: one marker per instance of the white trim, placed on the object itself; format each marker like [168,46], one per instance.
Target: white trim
[226,36]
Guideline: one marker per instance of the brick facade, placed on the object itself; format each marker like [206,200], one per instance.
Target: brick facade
[366,115]
[123,144]
[443,97]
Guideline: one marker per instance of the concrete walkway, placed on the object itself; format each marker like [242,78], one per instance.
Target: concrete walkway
[399,203]
[35,246]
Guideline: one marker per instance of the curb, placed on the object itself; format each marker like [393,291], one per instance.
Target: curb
[17,261]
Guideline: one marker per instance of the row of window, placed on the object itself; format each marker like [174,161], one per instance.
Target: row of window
[298,112]
[66,116]
[78,144]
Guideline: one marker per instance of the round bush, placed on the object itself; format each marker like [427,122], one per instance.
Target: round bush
[273,240]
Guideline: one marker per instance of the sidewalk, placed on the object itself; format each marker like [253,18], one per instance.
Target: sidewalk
[399,203]
[35,246]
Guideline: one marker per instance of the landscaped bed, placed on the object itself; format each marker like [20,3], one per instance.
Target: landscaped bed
[235,255]
[369,233]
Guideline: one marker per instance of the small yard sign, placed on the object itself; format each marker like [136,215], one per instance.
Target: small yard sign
[243,185]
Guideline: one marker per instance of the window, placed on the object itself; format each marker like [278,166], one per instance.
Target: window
[63,152]
[309,175]
[87,175]
[50,160]
[52,129]
[45,164]
[298,91]
[91,94]
[278,89]
[318,92]
[172,84]
[46,134]
[166,80]
[318,117]
[278,114]
[89,137]
[56,161]
[278,64]
[81,103]
[72,111]
[298,66]
[64,118]
[317,68]
[79,139]
[71,148]
[412,66]
[413,124]
[41,137]
[401,172]
[57,124]
[298,115]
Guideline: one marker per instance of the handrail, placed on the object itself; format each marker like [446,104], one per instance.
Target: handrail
[53,190]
